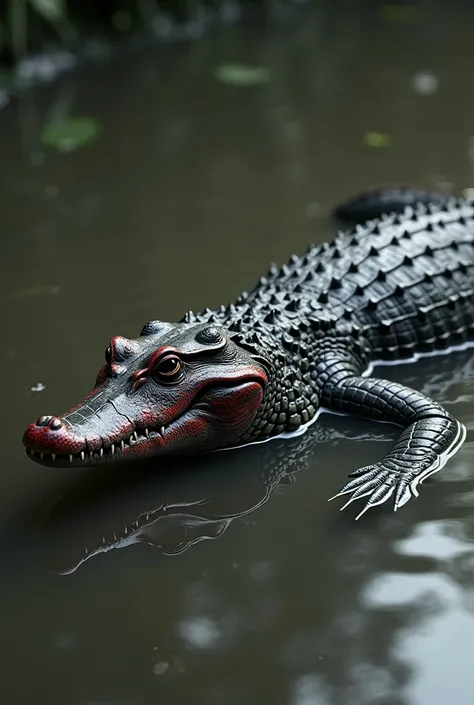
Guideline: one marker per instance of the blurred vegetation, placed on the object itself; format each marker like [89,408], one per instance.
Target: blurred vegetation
[29,27]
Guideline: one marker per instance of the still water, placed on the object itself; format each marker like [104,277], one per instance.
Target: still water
[228,579]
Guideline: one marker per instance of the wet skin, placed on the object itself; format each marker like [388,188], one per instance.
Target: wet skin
[305,338]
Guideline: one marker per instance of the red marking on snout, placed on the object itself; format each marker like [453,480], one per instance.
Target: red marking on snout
[45,439]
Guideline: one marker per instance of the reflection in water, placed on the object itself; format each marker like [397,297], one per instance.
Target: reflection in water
[190,500]
[434,589]
[195,499]
[367,642]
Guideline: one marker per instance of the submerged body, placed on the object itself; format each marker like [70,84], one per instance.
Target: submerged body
[305,338]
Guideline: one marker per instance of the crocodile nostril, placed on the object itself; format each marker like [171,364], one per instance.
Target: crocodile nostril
[44,420]
[55,424]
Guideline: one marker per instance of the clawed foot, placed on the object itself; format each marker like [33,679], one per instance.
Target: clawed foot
[396,475]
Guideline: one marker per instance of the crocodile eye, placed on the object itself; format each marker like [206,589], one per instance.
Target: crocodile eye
[168,368]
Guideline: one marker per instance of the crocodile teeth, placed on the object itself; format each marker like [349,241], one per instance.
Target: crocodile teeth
[91,454]
[53,455]
[70,457]
[122,445]
[41,456]
[161,431]
[83,456]
[112,449]
[101,452]
[147,433]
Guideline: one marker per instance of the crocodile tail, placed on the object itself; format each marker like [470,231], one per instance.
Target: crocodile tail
[374,204]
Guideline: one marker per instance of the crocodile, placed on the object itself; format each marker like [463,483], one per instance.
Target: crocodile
[305,338]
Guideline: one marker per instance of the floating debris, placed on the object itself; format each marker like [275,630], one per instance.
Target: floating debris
[33,292]
[424,83]
[160,668]
[70,134]
[242,75]
[376,140]
[38,387]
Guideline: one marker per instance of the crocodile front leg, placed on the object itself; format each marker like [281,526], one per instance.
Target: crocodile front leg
[430,438]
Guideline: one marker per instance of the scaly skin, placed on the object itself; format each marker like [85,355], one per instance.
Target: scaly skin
[304,338]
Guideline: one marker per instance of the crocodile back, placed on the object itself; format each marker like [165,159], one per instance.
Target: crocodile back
[407,280]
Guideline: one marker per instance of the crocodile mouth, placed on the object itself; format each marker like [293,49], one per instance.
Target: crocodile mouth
[139,440]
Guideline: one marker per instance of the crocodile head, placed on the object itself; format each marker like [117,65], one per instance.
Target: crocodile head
[178,388]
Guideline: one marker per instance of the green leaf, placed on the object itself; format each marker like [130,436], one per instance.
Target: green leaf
[406,14]
[376,140]
[242,75]
[70,134]
[51,10]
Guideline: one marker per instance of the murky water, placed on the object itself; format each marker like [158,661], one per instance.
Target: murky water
[192,189]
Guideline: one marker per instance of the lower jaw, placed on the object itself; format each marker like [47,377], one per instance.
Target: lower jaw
[114,453]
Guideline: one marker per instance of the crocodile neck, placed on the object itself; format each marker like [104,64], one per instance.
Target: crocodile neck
[290,332]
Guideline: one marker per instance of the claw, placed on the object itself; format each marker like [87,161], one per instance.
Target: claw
[381,495]
[353,485]
[353,499]
[380,483]
[368,487]
[403,494]
[370,472]
[401,471]
[362,471]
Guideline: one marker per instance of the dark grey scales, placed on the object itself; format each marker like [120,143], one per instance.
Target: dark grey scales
[305,338]
[390,289]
